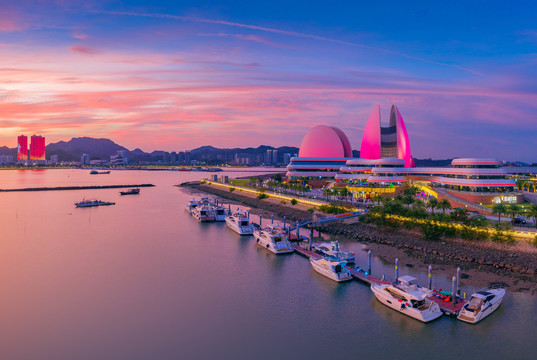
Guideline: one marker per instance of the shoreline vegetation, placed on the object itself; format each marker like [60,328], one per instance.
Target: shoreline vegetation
[482,261]
[92,187]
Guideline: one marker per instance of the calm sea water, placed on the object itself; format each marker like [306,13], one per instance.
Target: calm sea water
[143,280]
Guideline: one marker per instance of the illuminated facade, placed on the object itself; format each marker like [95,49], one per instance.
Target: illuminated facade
[323,151]
[386,142]
[37,148]
[22,148]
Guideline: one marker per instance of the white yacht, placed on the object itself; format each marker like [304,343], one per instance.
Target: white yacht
[203,213]
[332,249]
[481,305]
[191,205]
[331,267]
[240,223]
[220,213]
[407,298]
[274,238]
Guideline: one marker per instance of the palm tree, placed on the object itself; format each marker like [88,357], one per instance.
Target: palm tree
[377,199]
[499,209]
[444,204]
[514,210]
[532,213]
[432,203]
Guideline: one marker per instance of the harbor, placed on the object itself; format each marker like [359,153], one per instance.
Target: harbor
[448,302]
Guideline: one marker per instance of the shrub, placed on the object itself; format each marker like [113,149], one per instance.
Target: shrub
[502,234]
[283,202]
[231,189]
[431,231]
[534,241]
[262,196]
[294,201]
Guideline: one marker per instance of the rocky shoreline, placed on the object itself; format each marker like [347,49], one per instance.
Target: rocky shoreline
[514,265]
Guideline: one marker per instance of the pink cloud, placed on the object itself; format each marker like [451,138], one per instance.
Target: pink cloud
[83,50]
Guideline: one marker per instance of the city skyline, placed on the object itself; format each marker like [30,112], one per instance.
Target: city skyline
[169,76]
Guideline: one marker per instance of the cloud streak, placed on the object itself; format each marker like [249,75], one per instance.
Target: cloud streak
[288,33]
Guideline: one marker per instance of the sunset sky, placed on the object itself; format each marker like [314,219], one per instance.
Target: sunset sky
[180,74]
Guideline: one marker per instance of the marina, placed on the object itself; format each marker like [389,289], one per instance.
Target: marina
[427,303]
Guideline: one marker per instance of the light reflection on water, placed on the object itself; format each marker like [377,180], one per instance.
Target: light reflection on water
[143,280]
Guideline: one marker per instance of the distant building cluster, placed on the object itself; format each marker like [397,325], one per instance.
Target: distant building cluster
[35,155]
[177,158]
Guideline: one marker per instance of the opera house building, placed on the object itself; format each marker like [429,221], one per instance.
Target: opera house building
[385,166]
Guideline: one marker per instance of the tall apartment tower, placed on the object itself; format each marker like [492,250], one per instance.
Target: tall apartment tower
[22,148]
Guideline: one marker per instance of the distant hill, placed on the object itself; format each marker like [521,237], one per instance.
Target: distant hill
[74,148]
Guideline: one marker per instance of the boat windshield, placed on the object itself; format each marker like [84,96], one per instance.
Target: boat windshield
[337,268]
[474,304]
[417,303]
[244,223]
[277,239]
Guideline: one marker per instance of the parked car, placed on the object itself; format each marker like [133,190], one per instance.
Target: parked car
[518,220]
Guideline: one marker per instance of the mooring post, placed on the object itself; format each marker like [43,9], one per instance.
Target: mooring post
[261,221]
[284,222]
[369,262]
[458,281]
[430,284]
[453,293]
[382,277]
[229,208]
[311,239]
[248,214]
[297,231]
[396,269]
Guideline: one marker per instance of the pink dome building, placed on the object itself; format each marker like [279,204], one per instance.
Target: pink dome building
[323,151]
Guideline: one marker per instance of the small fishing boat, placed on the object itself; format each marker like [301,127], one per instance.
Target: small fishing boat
[274,238]
[92,203]
[481,305]
[240,223]
[95,172]
[407,298]
[331,267]
[130,192]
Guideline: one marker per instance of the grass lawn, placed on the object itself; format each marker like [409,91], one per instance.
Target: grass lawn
[239,182]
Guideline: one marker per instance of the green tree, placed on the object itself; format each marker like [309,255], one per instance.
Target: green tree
[377,198]
[460,215]
[532,213]
[432,204]
[408,200]
[278,178]
[514,210]
[499,209]
[444,204]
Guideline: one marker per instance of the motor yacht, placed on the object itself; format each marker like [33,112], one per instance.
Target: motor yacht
[481,305]
[332,249]
[220,213]
[331,267]
[203,213]
[407,298]
[274,238]
[240,223]
[191,205]
[130,192]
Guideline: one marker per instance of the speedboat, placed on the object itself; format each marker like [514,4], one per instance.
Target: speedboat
[274,238]
[481,305]
[220,213]
[130,192]
[203,213]
[407,298]
[331,267]
[191,205]
[332,249]
[240,223]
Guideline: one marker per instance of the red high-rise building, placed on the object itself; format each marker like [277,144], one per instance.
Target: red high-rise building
[22,148]
[37,148]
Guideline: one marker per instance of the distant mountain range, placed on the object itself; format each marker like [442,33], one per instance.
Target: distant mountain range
[102,149]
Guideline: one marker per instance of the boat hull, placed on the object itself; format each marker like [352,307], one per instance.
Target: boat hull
[424,316]
[261,241]
[329,274]
[241,230]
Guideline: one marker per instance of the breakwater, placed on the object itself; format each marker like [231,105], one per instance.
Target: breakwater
[84,187]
